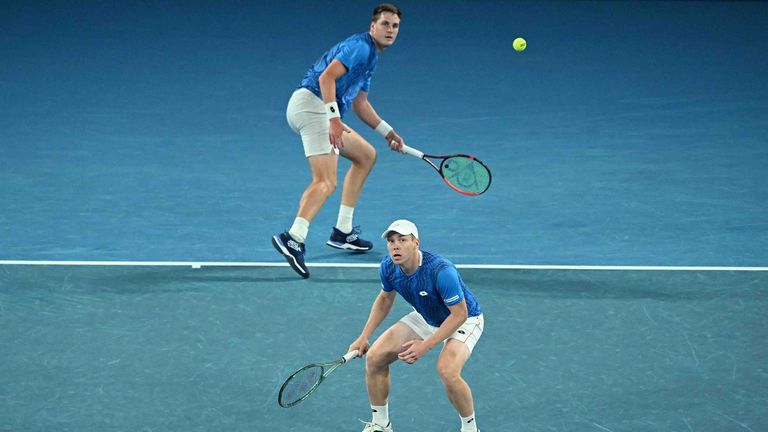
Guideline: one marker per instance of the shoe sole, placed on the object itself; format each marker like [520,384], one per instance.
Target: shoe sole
[288,257]
[347,246]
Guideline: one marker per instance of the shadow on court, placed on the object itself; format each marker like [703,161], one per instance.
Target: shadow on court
[168,349]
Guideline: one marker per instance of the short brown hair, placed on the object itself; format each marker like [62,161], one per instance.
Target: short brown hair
[384,7]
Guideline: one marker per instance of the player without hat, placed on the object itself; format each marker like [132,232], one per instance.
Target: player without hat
[403,227]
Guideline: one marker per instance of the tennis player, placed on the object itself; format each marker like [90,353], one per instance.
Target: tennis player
[445,312]
[339,80]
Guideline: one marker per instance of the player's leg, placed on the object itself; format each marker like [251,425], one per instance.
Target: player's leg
[363,157]
[306,116]
[324,180]
[383,353]
[291,243]
[450,363]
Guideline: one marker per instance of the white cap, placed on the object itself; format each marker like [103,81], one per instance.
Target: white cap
[402,227]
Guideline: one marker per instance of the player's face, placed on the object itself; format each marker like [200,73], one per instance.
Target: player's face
[384,30]
[403,249]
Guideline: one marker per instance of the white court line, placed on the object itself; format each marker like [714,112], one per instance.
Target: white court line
[375,265]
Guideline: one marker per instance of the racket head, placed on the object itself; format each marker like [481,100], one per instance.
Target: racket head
[300,385]
[465,174]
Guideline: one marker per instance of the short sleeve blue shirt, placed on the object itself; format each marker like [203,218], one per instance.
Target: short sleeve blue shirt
[435,286]
[358,54]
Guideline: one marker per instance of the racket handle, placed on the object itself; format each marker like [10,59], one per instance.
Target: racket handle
[349,356]
[412,151]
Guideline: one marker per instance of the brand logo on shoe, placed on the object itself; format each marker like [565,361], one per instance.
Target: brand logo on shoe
[293,244]
[351,238]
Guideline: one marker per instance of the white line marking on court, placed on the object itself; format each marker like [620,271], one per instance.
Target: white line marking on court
[199,264]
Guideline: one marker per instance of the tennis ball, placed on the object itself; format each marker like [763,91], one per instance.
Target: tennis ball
[519,44]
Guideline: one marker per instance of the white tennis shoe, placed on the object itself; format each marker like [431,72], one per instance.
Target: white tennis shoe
[373,427]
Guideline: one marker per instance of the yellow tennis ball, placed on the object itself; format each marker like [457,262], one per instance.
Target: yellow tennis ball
[519,44]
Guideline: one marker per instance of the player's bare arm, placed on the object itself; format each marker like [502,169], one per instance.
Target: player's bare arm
[327,81]
[379,311]
[415,349]
[365,111]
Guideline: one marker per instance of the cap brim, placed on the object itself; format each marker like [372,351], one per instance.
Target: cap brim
[388,232]
[385,234]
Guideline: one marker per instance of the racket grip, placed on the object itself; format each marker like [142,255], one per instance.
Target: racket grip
[412,151]
[349,356]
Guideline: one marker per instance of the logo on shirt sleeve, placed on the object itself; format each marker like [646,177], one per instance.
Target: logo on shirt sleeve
[452,299]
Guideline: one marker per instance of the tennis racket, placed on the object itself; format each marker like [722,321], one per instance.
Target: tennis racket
[302,383]
[463,173]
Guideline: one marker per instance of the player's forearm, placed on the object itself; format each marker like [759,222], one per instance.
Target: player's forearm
[379,312]
[328,88]
[366,113]
[327,80]
[446,329]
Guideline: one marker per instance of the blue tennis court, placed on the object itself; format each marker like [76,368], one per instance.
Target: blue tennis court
[141,138]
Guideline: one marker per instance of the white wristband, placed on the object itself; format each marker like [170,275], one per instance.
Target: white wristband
[383,128]
[332,110]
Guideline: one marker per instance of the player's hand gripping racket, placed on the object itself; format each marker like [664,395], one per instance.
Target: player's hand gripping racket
[302,383]
[463,173]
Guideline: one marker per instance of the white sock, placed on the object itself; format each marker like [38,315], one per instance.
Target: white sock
[468,424]
[299,229]
[344,222]
[380,414]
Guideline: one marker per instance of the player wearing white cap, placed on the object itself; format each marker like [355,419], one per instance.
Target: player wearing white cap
[445,312]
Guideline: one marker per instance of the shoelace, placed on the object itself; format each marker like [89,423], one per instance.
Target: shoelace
[301,247]
[354,235]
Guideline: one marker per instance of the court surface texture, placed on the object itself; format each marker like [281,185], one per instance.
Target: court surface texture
[619,256]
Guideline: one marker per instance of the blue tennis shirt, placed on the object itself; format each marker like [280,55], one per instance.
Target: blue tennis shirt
[358,53]
[431,289]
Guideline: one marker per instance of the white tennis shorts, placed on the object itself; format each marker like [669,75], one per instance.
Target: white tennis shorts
[469,332]
[306,116]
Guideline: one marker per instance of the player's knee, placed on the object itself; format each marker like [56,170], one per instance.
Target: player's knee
[448,372]
[325,186]
[371,157]
[330,185]
[378,358]
[367,158]
[374,360]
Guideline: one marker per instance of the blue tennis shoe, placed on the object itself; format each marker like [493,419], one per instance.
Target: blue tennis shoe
[293,252]
[349,241]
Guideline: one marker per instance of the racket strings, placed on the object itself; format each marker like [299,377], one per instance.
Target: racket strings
[466,174]
[300,385]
